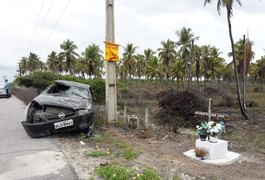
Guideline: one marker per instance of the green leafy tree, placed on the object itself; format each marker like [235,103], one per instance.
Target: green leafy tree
[167,54]
[205,49]
[153,68]
[33,62]
[53,62]
[228,5]
[23,66]
[259,72]
[92,59]
[128,59]
[68,55]
[148,54]
[185,40]
[178,71]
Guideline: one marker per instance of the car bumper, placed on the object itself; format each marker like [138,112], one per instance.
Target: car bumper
[3,94]
[80,122]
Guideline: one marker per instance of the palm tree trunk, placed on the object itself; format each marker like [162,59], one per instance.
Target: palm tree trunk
[243,112]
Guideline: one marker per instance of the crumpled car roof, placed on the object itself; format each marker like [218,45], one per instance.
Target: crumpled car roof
[71,83]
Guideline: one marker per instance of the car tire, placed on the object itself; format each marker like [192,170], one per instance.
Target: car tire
[89,131]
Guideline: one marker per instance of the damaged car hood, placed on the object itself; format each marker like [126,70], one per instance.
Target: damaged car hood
[64,100]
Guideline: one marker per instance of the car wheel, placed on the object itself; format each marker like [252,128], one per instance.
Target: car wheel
[90,130]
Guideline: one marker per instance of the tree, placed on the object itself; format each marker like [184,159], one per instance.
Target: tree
[228,4]
[54,63]
[186,41]
[197,57]
[93,60]
[244,55]
[129,58]
[178,71]
[228,73]
[167,53]
[148,54]
[33,62]
[259,71]
[240,57]
[23,66]
[205,50]
[153,68]
[68,55]
[215,63]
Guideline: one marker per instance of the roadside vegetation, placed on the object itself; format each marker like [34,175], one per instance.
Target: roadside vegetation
[172,82]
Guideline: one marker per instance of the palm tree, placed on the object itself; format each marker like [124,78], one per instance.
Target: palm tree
[185,41]
[228,4]
[153,68]
[178,71]
[259,71]
[23,66]
[215,62]
[53,62]
[140,65]
[228,73]
[148,54]
[129,58]
[244,55]
[167,54]
[93,58]
[197,57]
[68,55]
[81,66]
[205,50]
[33,62]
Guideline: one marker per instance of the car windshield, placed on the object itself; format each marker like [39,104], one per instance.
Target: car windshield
[82,92]
[70,90]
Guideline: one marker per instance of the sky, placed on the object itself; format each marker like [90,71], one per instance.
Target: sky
[40,26]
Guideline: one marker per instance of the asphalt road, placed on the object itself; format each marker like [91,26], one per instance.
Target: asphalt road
[22,157]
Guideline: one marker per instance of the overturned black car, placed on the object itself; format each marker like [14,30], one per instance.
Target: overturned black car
[63,106]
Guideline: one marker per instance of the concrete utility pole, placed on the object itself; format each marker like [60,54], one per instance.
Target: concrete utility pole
[111,94]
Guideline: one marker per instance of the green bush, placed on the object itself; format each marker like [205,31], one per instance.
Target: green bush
[98,90]
[112,172]
[40,80]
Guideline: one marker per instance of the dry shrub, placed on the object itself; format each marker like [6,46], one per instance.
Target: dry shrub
[200,152]
[227,99]
[176,109]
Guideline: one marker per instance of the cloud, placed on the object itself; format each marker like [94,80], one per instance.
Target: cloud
[142,22]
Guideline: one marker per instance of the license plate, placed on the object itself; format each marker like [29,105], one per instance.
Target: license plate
[63,124]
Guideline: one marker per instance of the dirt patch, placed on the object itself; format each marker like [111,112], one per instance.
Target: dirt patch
[163,152]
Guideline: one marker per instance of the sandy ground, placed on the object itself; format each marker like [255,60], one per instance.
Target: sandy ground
[163,152]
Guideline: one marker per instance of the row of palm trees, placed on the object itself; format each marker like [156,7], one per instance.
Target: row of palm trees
[68,61]
[174,60]
[178,61]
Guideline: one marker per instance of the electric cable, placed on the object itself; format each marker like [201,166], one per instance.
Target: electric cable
[43,2]
[44,43]
[46,15]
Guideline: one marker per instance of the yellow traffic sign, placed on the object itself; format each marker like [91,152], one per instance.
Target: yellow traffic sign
[111,52]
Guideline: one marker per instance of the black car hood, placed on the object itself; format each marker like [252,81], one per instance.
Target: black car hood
[63,100]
